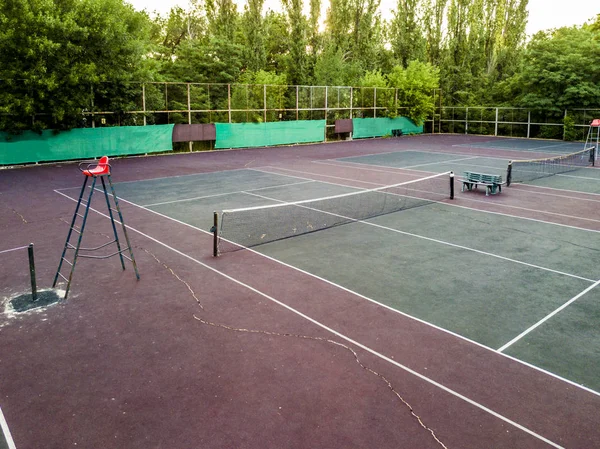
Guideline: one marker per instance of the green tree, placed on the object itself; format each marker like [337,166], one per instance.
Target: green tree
[415,86]
[276,42]
[405,33]
[297,64]
[58,55]
[560,70]
[254,31]
[178,25]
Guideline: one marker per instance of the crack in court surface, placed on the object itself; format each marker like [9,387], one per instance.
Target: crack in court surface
[301,337]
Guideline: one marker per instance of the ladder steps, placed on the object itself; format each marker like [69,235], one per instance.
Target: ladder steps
[113,208]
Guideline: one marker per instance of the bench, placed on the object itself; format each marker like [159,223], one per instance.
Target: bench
[493,183]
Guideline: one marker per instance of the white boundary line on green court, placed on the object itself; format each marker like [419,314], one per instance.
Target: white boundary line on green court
[7,436]
[533,186]
[364,166]
[580,177]
[536,192]
[340,335]
[547,317]
[227,193]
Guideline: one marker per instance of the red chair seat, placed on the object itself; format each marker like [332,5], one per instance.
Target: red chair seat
[101,169]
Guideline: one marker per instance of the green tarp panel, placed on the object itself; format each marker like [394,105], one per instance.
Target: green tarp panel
[84,143]
[377,127]
[239,135]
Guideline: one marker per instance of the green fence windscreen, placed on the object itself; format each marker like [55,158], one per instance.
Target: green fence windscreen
[84,143]
[377,127]
[239,135]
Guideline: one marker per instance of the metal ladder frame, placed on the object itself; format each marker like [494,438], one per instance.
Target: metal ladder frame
[593,132]
[77,248]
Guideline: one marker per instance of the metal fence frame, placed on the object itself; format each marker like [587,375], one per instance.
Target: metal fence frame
[501,121]
[189,103]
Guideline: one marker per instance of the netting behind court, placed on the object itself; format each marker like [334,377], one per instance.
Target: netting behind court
[249,227]
[532,169]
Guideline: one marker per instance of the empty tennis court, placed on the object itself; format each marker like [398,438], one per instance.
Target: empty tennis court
[477,313]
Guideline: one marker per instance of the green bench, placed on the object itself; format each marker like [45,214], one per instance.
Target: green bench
[492,183]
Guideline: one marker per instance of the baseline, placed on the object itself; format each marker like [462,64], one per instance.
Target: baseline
[4,428]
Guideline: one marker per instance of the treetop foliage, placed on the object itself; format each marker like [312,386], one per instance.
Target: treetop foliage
[60,57]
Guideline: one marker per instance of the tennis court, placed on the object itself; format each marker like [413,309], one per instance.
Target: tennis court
[356,302]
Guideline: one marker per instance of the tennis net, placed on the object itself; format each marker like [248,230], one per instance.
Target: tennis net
[252,226]
[531,169]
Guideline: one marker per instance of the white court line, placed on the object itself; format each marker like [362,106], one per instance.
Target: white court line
[227,193]
[579,177]
[547,317]
[442,242]
[161,177]
[14,249]
[462,197]
[408,167]
[531,187]
[344,337]
[534,192]
[6,431]
[521,150]
[535,210]
[359,295]
[365,166]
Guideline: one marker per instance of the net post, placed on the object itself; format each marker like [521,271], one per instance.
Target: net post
[451,185]
[32,272]
[508,173]
[215,230]
[593,156]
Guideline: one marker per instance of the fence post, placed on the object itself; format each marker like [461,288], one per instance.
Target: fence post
[265,102]
[229,101]
[190,143]
[528,123]
[467,121]
[297,95]
[375,102]
[351,100]
[144,102]
[496,124]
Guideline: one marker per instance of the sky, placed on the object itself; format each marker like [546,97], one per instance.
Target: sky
[543,14]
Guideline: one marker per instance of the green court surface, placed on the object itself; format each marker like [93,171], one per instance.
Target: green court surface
[528,145]
[486,277]
[572,333]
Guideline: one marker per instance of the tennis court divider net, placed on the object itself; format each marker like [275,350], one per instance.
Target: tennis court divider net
[531,169]
[248,227]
